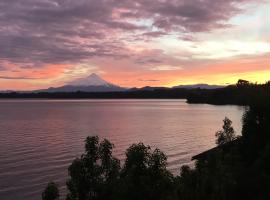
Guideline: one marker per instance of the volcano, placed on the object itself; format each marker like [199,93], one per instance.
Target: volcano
[91,83]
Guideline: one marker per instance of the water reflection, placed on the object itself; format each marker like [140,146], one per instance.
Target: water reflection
[40,138]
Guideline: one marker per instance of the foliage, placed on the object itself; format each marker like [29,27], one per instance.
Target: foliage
[51,192]
[94,174]
[98,175]
[227,134]
[144,174]
[242,93]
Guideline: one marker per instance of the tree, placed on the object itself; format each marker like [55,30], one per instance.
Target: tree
[242,82]
[94,174]
[145,176]
[97,175]
[51,192]
[227,134]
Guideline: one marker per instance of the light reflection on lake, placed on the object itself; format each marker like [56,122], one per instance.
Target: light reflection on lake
[40,138]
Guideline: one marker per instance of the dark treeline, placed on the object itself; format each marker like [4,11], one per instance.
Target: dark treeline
[140,94]
[238,168]
[240,94]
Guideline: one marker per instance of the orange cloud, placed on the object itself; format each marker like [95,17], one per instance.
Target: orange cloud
[253,68]
[28,79]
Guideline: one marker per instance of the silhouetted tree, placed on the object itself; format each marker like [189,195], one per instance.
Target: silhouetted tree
[144,175]
[227,134]
[93,175]
[187,184]
[242,82]
[51,192]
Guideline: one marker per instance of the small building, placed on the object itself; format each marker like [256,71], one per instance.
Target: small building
[225,147]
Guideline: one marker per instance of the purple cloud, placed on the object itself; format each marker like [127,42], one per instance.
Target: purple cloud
[34,33]
[17,78]
[2,68]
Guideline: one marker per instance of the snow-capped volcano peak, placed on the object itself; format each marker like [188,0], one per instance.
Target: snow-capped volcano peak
[92,83]
[92,80]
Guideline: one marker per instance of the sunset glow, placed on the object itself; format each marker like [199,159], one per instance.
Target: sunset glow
[133,43]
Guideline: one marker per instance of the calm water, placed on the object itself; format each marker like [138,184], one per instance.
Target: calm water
[40,138]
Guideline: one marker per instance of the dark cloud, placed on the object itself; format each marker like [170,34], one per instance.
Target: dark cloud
[149,80]
[148,60]
[155,33]
[17,78]
[38,32]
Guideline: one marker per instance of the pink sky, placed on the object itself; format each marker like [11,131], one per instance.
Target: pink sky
[133,43]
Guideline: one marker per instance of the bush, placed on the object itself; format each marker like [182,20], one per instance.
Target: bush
[51,192]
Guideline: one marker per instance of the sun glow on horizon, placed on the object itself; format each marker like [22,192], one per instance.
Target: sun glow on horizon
[135,45]
[226,79]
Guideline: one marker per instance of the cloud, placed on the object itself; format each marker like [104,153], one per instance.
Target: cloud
[149,80]
[2,68]
[34,33]
[148,60]
[17,78]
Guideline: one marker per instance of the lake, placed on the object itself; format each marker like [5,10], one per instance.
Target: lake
[40,138]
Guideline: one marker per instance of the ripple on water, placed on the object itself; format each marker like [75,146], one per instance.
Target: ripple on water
[40,138]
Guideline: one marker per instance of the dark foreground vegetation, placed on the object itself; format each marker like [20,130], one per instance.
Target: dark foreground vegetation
[242,93]
[238,168]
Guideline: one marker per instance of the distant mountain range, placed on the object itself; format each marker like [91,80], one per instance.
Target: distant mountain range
[201,86]
[94,83]
[147,88]
[6,91]
[195,86]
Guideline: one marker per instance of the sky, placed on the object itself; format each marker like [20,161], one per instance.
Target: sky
[133,43]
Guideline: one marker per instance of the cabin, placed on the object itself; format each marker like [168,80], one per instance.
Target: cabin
[225,147]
